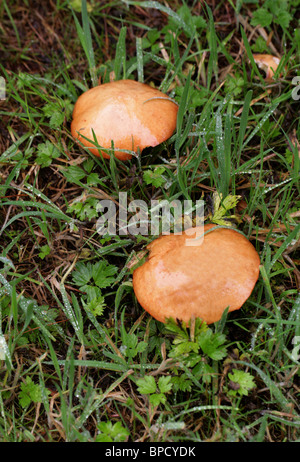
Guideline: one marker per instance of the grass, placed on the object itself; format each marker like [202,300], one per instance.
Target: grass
[79,358]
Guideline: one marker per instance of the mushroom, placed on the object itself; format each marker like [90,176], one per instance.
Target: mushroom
[267,63]
[183,280]
[131,115]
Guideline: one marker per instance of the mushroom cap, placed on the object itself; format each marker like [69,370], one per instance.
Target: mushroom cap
[131,114]
[268,63]
[182,281]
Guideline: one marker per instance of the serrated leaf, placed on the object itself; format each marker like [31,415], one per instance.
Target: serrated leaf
[82,274]
[181,383]
[212,344]
[103,273]
[111,432]
[157,399]
[45,250]
[141,347]
[130,340]
[244,379]
[172,326]
[155,177]
[49,108]
[203,371]
[183,347]
[221,206]
[24,399]
[224,221]
[230,201]
[57,119]
[261,17]
[93,179]
[283,19]
[29,391]
[165,384]
[146,385]
[46,152]
[96,305]
[73,173]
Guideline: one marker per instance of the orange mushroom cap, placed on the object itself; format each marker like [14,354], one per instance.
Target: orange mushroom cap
[131,114]
[267,63]
[182,281]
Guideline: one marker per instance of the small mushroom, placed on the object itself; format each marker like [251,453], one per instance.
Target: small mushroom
[129,114]
[267,63]
[180,280]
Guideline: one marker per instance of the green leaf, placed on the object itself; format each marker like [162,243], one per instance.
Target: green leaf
[165,384]
[182,383]
[172,326]
[96,305]
[283,18]
[184,16]
[82,274]
[110,432]
[155,177]
[130,340]
[103,273]
[183,347]
[234,84]
[91,291]
[131,345]
[260,45]
[46,152]
[276,6]
[45,250]
[30,392]
[203,371]
[157,399]
[100,274]
[85,37]
[93,179]
[244,381]
[222,206]
[24,399]
[141,346]
[56,119]
[73,173]
[212,344]
[261,17]
[84,207]
[77,6]
[153,35]
[146,385]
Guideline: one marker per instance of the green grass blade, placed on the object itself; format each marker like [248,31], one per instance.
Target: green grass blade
[120,58]
[244,121]
[212,68]
[85,37]
[139,58]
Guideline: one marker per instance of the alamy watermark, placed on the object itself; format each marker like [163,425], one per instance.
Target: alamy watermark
[2,88]
[296,90]
[150,219]
[296,349]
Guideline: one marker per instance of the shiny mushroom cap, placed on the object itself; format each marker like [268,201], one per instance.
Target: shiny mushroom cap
[181,281]
[130,114]
[267,63]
